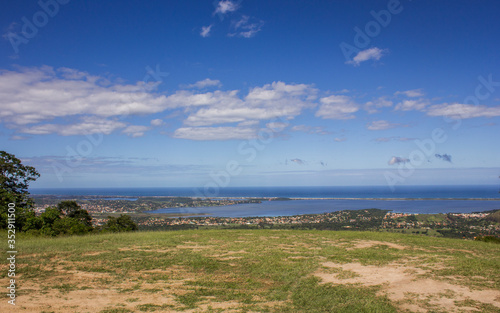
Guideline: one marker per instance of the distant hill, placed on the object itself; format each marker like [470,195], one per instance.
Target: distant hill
[494,217]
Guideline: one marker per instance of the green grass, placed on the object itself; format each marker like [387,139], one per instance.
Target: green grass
[150,307]
[257,270]
[309,296]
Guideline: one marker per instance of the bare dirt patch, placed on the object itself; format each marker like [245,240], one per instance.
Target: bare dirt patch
[90,300]
[194,246]
[230,255]
[138,248]
[80,291]
[361,244]
[403,286]
[93,253]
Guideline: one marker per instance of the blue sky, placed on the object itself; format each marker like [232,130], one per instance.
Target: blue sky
[251,93]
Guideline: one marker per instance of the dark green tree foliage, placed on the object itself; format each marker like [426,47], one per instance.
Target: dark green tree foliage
[48,218]
[14,180]
[71,209]
[70,226]
[67,219]
[120,224]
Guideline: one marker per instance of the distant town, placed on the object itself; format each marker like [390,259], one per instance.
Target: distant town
[104,204]
[457,225]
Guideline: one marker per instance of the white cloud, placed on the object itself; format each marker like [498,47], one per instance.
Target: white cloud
[458,110]
[311,129]
[43,100]
[410,93]
[207,82]
[408,105]
[87,126]
[277,126]
[205,31]
[339,139]
[34,95]
[246,28]
[156,122]
[187,99]
[394,138]
[222,115]
[17,137]
[215,133]
[248,123]
[277,90]
[261,103]
[337,107]
[398,160]
[302,128]
[226,6]
[382,125]
[365,55]
[135,131]
[381,102]
[242,22]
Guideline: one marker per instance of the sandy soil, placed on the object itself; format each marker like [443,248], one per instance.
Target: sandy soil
[402,284]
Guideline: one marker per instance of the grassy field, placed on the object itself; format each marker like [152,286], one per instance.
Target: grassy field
[254,271]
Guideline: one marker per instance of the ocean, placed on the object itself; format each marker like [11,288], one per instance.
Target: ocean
[357,192]
[315,200]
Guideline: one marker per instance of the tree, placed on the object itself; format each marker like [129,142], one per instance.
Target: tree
[72,209]
[68,206]
[14,180]
[49,217]
[122,223]
[126,223]
[67,219]
[33,222]
[69,226]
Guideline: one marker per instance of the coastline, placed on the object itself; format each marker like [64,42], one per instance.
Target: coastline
[133,198]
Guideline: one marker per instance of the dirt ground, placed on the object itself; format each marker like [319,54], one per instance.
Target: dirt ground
[407,286]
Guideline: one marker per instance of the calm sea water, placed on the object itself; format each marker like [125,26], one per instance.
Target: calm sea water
[364,197]
[361,192]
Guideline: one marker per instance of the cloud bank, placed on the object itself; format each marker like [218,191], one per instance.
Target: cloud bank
[42,101]
[45,100]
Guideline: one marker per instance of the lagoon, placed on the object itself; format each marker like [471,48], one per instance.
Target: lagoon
[318,206]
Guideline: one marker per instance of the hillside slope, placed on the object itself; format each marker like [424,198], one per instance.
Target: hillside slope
[255,271]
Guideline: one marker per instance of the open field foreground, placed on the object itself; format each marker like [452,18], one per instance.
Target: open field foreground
[254,271]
